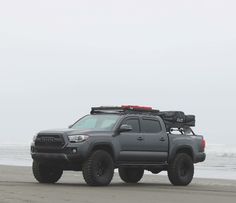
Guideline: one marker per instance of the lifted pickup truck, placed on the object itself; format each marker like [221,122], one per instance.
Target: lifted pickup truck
[130,138]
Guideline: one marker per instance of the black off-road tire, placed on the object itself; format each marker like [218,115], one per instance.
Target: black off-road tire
[98,170]
[131,175]
[181,170]
[46,174]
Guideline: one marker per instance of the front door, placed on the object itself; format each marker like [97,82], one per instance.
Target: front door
[131,143]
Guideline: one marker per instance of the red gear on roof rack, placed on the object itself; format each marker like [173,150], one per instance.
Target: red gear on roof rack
[132,107]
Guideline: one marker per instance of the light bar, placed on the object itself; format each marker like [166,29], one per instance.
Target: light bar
[132,107]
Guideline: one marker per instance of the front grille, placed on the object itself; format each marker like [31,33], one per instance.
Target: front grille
[49,140]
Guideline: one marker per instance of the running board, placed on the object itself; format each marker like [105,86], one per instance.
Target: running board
[143,164]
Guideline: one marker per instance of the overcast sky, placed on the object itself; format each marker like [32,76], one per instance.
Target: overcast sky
[59,58]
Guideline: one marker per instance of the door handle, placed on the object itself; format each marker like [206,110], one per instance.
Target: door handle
[139,138]
[162,139]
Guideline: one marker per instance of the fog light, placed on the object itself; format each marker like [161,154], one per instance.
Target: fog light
[74,151]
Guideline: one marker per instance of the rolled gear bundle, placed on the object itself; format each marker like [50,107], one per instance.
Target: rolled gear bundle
[177,119]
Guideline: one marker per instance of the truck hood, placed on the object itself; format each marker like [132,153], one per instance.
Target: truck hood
[70,131]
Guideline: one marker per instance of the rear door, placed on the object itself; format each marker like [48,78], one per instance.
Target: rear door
[156,140]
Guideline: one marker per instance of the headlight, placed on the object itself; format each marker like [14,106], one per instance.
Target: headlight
[77,138]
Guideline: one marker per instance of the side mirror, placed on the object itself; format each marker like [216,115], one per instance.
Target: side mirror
[125,128]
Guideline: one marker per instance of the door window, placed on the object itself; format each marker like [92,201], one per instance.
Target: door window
[151,126]
[134,122]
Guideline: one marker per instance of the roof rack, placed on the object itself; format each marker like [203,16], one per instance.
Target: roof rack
[125,109]
[172,119]
[106,109]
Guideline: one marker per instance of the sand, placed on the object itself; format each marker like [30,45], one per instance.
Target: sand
[17,184]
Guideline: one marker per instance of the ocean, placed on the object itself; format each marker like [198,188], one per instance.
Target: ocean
[220,162]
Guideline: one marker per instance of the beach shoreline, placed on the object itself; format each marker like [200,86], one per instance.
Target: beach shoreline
[17,184]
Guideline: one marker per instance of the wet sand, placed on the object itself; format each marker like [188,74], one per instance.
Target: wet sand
[17,184]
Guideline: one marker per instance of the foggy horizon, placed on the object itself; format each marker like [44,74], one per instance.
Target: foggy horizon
[58,59]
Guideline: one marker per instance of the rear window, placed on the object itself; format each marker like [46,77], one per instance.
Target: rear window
[151,126]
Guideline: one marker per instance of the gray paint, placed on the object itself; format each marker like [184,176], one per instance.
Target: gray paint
[126,148]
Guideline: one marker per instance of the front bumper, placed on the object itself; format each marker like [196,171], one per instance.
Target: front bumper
[58,157]
[70,153]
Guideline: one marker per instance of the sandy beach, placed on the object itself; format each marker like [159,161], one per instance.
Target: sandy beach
[18,185]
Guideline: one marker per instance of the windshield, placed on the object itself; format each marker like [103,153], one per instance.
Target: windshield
[97,122]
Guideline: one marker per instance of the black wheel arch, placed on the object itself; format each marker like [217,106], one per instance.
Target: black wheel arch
[182,149]
[106,146]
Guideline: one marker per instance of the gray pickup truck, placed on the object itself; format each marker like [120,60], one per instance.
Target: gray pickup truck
[130,138]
